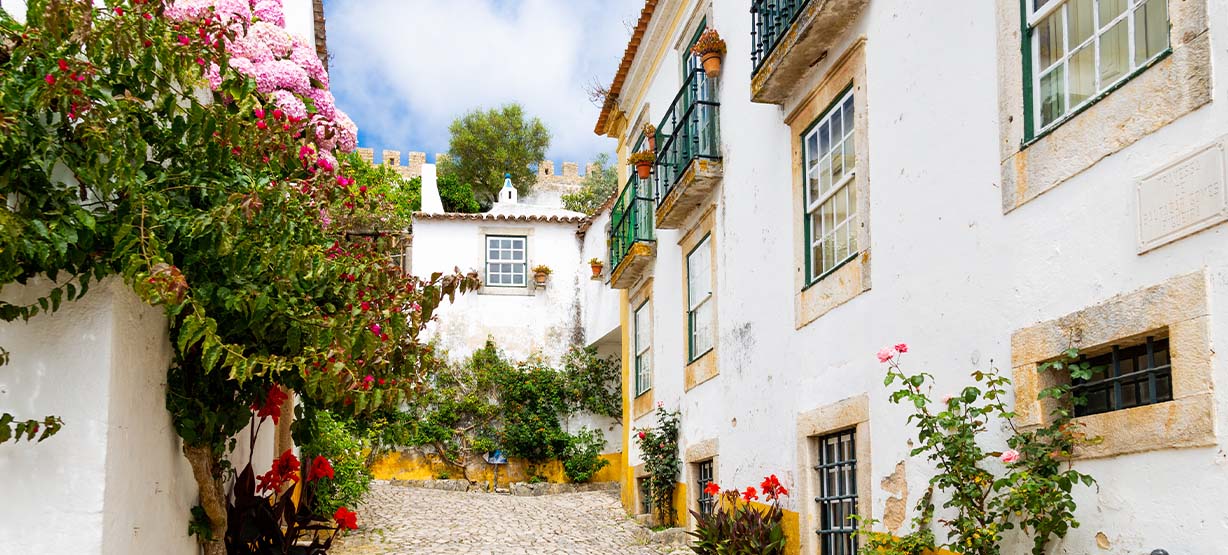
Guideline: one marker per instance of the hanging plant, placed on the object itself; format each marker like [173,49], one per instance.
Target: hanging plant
[711,50]
[642,161]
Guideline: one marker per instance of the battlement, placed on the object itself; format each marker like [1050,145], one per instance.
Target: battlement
[568,180]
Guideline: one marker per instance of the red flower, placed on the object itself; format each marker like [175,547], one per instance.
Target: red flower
[345,518]
[712,489]
[148,16]
[272,404]
[119,11]
[285,468]
[50,79]
[184,40]
[901,348]
[63,64]
[641,434]
[772,488]
[320,468]
[261,124]
[258,112]
[749,494]
[375,328]
[365,305]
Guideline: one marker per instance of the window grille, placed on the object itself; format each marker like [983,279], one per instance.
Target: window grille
[1126,377]
[837,498]
[707,501]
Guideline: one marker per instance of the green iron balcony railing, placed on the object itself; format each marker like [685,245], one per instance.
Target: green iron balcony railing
[631,219]
[770,19]
[690,130]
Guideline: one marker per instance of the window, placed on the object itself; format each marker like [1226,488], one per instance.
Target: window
[1127,377]
[643,343]
[1078,50]
[830,190]
[688,60]
[505,261]
[707,501]
[645,496]
[837,497]
[699,299]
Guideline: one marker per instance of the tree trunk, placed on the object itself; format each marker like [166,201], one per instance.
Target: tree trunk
[284,440]
[212,496]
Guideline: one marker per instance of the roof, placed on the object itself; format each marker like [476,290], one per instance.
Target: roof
[317,11]
[624,66]
[588,222]
[502,217]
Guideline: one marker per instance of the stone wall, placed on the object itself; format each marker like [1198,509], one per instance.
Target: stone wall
[567,178]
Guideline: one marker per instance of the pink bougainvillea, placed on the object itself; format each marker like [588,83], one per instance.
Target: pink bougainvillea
[285,67]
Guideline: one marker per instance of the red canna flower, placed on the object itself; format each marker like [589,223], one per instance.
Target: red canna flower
[749,494]
[284,469]
[272,404]
[712,489]
[320,468]
[345,518]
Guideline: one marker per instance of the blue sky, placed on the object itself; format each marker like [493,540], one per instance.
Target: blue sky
[404,69]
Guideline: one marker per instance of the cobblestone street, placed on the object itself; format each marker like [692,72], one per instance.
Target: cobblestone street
[397,520]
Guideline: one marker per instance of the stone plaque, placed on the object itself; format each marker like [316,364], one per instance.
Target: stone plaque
[1182,198]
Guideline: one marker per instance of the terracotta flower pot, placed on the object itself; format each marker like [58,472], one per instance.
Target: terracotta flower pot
[652,142]
[712,64]
[540,278]
[597,269]
[643,169]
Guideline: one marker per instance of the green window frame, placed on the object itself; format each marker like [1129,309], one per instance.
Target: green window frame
[1076,52]
[830,220]
[506,261]
[701,323]
[642,343]
[689,61]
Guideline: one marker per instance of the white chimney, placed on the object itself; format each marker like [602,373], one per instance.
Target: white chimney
[431,203]
[507,195]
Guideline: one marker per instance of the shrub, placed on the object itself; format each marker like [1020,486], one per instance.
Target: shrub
[336,441]
[736,527]
[659,449]
[582,457]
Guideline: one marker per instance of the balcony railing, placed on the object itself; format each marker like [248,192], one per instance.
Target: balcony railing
[631,219]
[689,130]
[770,19]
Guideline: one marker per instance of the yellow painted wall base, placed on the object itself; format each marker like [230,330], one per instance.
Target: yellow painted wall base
[414,465]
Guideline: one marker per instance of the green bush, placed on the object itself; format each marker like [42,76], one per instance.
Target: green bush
[338,443]
[582,457]
[532,395]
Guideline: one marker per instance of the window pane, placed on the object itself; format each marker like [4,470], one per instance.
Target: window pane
[1082,75]
[702,320]
[1150,30]
[1049,39]
[824,175]
[505,243]
[837,164]
[1110,9]
[837,126]
[812,189]
[1038,4]
[699,274]
[1052,99]
[1079,19]
[824,140]
[1114,54]
[812,150]
[848,115]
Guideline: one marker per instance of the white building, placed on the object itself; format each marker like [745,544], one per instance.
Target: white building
[867,173]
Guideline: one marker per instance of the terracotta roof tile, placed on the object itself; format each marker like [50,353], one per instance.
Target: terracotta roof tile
[624,66]
[487,216]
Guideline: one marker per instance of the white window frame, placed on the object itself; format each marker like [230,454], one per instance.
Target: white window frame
[694,305]
[643,349]
[523,260]
[815,268]
[1060,9]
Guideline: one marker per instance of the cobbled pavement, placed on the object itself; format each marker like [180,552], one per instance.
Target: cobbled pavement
[397,520]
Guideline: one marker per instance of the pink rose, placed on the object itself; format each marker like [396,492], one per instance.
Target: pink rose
[946,399]
[1010,456]
[885,354]
[901,348]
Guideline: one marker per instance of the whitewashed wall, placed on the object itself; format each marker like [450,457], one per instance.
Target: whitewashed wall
[952,275]
[113,480]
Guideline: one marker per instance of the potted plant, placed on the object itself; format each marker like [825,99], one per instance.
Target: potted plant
[540,273]
[642,161]
[711,50]
[596,264]
[650,133]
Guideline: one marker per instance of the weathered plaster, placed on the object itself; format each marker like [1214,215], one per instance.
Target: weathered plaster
[818,28]
[690,195]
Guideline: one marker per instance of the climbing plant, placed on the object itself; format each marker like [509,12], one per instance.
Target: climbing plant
[187,148]
[659,450]
[1026,486]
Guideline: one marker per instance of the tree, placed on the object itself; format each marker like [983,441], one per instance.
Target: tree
[600,183]
[212,189]
[485,145]
[403,196]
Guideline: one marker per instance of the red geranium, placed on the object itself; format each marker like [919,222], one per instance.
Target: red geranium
[346,519]
[320,468]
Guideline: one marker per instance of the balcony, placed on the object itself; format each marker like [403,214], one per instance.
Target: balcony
[632,242]
[788,37]
[688,163]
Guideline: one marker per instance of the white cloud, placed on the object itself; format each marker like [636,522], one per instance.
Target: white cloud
[405,68]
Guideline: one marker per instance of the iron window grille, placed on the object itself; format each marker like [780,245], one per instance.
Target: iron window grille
[506,261]
[1126,377]
[707,501]
[837,498]
[645,496]
[643,343]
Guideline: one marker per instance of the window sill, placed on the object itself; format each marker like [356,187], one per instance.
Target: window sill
[508,291]
[701,369]
[642,404]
